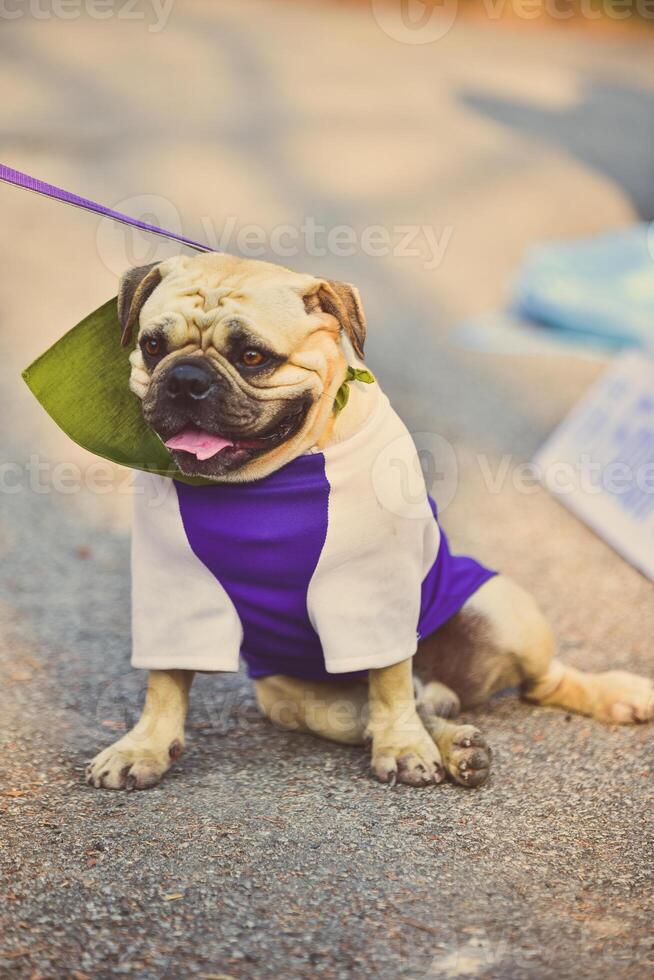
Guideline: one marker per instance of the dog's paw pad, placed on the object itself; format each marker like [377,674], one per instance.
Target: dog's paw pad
[469,757]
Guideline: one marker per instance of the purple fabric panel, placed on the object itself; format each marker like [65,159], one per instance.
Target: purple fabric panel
[28,183]
[262,541]
[450,582]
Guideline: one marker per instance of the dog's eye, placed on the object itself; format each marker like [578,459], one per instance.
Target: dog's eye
[153,346]
[252,358]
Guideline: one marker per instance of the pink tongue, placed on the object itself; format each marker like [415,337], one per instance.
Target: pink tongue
[202,444]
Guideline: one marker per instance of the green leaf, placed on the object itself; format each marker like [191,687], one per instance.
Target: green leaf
[352,374]
[362,374]
[82,382]
[342,397]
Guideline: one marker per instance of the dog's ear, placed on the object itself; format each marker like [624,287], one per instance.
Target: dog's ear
[342,301]
[135,286]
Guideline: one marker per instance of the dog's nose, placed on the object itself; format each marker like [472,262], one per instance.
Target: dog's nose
[186,380]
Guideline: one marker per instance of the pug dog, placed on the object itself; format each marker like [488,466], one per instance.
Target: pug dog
[299,536]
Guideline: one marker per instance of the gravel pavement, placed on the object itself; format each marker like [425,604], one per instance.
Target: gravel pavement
[264,854]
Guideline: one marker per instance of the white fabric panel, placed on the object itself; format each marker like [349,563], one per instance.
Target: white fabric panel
[182,618]
[382,539]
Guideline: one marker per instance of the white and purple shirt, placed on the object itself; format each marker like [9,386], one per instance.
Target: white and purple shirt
[334,564]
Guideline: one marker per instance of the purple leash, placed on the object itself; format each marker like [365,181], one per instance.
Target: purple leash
[28,183]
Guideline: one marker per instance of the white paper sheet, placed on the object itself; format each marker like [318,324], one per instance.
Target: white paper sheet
[600,461]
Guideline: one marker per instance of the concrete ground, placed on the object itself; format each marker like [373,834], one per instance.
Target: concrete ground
[265,854]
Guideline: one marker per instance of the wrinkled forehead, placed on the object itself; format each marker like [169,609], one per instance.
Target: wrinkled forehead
[211,300]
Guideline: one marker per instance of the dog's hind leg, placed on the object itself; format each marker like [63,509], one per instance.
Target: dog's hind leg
[522,631]
[139,759]
[337,710]
[501,639]
[613,696]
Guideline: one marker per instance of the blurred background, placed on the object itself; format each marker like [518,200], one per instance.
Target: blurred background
[417,150]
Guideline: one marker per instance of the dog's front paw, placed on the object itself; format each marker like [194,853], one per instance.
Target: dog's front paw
[132,763]
[411,758]
[622,698]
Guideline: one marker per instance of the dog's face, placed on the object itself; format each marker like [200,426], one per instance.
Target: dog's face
[237,362]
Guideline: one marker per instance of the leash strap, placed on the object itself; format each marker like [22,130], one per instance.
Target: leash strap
[18,179]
